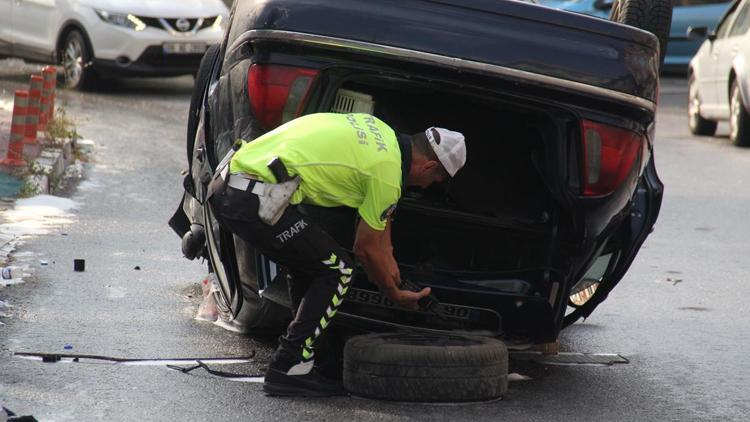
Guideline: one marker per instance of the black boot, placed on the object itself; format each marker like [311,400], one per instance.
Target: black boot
[312,384]
[329,355]
[305,380]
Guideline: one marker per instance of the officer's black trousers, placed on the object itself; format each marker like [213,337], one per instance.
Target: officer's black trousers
[320,270]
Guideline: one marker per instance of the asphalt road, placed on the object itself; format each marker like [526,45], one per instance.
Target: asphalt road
[678,316]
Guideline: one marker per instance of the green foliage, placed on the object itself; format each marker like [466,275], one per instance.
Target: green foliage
[28,189]
[61,127]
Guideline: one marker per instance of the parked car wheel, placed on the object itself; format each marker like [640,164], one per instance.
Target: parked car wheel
[76,57]
[201,80]
[422,367]
[697,124]
[739,118]
[654,16]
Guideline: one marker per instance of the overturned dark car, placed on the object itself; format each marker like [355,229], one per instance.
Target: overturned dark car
[559,191]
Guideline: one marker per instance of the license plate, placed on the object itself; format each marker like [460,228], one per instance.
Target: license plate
[376,299]
[184,48]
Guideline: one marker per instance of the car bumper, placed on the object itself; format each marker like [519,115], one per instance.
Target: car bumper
[129,51]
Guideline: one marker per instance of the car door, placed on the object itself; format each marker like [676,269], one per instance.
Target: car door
[729,49]
[6,17]
[34,28]
[721,61]
[686,14]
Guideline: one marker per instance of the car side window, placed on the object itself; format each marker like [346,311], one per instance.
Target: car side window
[742,22]
[726,22]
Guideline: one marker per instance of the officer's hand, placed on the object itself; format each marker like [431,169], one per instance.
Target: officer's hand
[406,298]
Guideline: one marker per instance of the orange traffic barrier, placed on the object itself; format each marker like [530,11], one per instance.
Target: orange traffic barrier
[49,73]
[44,107]
[17,130]
[32,115]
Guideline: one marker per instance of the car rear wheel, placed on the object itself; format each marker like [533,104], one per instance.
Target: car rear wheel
[654,16]
[76,57]
[739,118]
[422,367]
[697,124]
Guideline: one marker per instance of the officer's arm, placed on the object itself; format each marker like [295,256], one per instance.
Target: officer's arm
[374,251]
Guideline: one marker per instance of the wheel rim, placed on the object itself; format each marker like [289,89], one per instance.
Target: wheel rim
[734,110]
[73,62]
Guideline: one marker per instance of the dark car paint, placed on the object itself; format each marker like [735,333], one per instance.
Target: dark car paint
[500,33]
[592,222]
[631,233]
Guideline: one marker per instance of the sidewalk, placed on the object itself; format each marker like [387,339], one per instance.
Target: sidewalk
[26,208]
[54,163]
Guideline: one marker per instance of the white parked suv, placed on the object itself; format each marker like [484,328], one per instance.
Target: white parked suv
[719,76]
[110,38]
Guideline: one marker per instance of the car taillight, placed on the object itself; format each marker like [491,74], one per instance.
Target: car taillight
[609,156]
[278,93]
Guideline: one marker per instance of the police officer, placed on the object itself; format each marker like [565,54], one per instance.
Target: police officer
[332,160]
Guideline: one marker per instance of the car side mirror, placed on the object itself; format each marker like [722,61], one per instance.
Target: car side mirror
[603,4]
[699,33]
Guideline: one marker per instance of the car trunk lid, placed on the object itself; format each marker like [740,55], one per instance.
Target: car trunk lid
[520,37]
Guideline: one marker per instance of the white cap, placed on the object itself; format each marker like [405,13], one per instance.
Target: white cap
[449,146]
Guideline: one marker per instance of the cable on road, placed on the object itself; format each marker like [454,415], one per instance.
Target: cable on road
[80,358]
[216,373]
[177,364]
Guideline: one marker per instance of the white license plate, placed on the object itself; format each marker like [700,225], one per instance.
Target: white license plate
[184,48]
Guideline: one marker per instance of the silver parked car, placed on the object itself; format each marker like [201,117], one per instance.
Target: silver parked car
[719,76]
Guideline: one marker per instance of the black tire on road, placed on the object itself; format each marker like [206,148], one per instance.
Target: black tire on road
[420,367]
[654,16]
[739,118]
[696,123]
[75,57]
[201,80]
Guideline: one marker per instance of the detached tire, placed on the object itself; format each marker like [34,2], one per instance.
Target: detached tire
[419,367]
[654,16]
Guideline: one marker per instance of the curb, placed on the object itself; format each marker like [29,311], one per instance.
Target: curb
[53,163]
